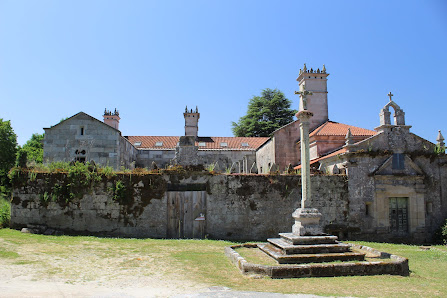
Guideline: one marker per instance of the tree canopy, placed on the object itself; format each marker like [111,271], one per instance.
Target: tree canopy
[8,149]
[34,148]
[265,114]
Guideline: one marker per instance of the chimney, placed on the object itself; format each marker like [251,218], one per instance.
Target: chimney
[112,118]
[191,122]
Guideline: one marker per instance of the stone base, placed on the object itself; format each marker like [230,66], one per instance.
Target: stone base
[307,222]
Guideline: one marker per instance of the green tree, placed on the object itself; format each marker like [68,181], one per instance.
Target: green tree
[265,114]
[34,148]
[8,149]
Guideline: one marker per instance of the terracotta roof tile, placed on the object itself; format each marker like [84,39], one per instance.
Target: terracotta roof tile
[204,143]
[331,128]
[340,151]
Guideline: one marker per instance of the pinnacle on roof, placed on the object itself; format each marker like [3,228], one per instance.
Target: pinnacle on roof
[440,139]
[305,70]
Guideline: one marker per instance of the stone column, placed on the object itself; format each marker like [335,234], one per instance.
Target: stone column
[306,219]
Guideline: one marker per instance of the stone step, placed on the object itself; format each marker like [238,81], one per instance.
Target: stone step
[308,248]
[282,258]
[295,239]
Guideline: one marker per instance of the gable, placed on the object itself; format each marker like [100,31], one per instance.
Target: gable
[80,118]
[398,164]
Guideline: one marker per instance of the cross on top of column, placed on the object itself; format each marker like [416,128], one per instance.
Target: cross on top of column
[390,95]
[303,95]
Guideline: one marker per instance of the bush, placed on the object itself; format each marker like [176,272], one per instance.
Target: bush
[5,212]
[440,236]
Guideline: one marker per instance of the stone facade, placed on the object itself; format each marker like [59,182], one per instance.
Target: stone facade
[84,138]
[393,167]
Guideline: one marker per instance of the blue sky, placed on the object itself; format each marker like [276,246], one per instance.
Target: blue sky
[149,59]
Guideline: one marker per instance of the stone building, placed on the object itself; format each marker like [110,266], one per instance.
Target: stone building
[395,179]
[85,138]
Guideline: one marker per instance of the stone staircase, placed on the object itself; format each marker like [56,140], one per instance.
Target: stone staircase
[293,249]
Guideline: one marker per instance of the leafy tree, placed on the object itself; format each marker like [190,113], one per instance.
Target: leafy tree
[265,114]
[8,149]
[34,148]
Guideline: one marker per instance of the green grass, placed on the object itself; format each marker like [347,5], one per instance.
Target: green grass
[77,259]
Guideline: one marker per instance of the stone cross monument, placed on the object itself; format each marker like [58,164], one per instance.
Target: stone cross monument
[306,219]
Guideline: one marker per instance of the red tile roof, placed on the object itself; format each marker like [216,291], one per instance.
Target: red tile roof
[330,128]
[210,143]
[340,151]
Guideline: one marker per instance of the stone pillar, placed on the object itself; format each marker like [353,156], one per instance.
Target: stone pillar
[303,117]
[306,219]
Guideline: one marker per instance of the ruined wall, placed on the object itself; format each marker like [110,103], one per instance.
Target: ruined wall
[249,207]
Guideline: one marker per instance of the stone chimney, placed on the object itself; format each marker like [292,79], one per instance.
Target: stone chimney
[112,118]
[191,122]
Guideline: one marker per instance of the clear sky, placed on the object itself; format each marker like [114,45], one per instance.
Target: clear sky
[149,59]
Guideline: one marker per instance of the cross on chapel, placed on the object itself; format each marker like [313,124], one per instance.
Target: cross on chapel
[390,95]
[303,94]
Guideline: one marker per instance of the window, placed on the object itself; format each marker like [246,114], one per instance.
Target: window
[202,144]
[223,144]
[82,130]
[245,145]
[137,144]
[159,144]
[398,161]
[368,209]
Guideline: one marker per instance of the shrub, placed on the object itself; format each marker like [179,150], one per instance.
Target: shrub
[440,236]
[5,212]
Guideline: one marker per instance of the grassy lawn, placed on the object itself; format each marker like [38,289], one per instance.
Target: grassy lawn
[77,259]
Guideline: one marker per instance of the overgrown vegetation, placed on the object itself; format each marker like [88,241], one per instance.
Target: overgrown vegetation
[5,212]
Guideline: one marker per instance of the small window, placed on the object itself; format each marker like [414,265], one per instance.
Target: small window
[398,161]
[223,144]
[245,145]
[159,144]
[202,144]
[137,144]
[82,131]
[368,209]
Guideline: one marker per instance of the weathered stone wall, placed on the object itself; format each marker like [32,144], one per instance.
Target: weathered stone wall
[237,206]
[265,156]
[373,181]
[162,158]
[100,142]
[241,160]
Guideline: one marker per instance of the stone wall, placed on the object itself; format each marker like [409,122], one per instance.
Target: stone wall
[236,207]
[82,136]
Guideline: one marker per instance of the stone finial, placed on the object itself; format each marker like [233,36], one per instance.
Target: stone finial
[197,109]
[440,139]
[186,109]
[324,69]
[105,111]
[289,169]
[305,68]
[335,170]
[253,168]
[348,138]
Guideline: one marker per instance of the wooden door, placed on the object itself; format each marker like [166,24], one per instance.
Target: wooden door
[399,215]
[186,214]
